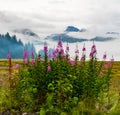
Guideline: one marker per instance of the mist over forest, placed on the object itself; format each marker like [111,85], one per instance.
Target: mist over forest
[10,44]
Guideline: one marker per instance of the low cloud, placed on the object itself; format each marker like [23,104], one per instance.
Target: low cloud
[53,16]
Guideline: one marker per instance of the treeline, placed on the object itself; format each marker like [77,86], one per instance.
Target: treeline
[10,44]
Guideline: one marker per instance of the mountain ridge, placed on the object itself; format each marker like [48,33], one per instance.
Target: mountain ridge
[74,29]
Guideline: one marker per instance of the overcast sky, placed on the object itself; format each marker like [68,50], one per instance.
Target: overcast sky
[53,16]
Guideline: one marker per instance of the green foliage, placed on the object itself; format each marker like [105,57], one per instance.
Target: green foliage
[64,86]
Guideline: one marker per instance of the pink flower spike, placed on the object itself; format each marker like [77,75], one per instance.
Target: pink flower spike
[105,56]
[112,60]
[32,54]
[61,51]
[45,47]
[25,60]
[56,51]
[49,55]
[93,51]
[72,62]
[91,55]
[67,48]
[25,54]
[84,49]
[110,63]
[33,61]
[48,68]
[54,54]
[77,51]
[8,56]
[82,58]
[59,43]
[93,46]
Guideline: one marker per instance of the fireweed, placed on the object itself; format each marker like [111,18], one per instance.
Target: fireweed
[57,84]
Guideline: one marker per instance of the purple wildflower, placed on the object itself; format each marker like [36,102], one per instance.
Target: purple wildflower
[72,62]
[82,58]
[76,51]
[59,48]
[45,48]
[33,61]
[25,60]
[59,43]
[25,54]
[93,51]
[56,50]
[83,53]
[67,48]
[48,68]
[54,54]
[84,49]
[110,63]
[8,56]
[32,54]
[91,54]
[105,56]
[93,46]
[61,51]
[49,55]
[112,59]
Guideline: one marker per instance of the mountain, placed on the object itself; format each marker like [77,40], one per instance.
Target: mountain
[102,39]
[14,46]
[73,34]
[27,32]
[70,39]
[74,29]
[65,38]
[27,35]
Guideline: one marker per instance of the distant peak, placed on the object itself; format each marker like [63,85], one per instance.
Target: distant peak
[26,31]
[74,29]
